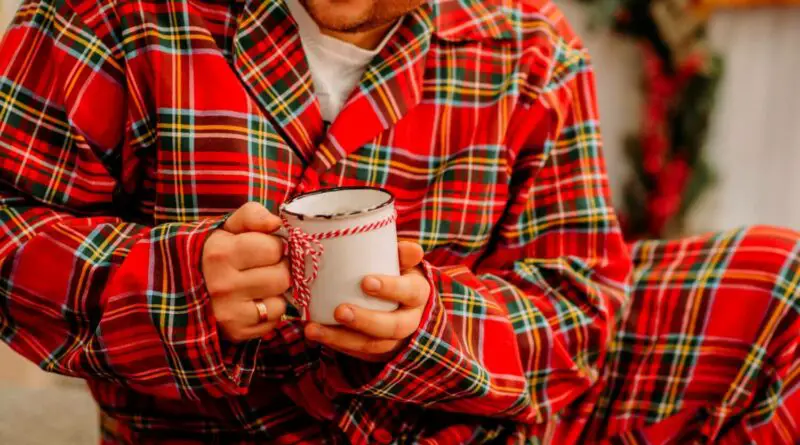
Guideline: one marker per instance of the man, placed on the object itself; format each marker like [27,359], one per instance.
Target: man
[147,145]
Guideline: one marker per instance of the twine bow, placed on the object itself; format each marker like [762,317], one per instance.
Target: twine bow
[302,246]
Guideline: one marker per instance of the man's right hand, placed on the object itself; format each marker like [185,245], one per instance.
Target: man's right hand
[242,264]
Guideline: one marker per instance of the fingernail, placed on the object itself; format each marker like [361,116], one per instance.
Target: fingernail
[345,315]
[372,284]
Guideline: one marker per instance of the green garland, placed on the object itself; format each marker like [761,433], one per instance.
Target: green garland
[680,82]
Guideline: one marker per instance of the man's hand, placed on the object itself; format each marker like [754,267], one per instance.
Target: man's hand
[243,264]
[377,336]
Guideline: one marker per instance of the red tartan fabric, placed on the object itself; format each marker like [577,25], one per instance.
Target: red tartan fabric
[708,351]
[129,130]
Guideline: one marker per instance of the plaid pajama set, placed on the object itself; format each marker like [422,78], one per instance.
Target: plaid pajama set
[129,129]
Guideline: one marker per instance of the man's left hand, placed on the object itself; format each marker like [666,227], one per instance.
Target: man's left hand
[376,336]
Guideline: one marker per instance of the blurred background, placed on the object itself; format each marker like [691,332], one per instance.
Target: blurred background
[700,106]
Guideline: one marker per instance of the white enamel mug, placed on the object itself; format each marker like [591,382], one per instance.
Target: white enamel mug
[339,236]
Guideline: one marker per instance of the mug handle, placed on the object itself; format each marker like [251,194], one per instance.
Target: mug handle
[283,233]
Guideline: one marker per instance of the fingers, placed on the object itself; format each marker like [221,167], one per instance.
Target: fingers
[251,332]
[396,325]
[260,281]
[410,290]
[254,249]
[348,341]
[276,307]
[373,357]
[252,217]
[242,263]
[238,319]
[258,331]
[410,254]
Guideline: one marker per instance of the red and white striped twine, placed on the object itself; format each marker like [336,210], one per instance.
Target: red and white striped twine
[302,245]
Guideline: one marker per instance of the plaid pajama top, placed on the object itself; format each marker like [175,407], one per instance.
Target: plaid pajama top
[128,129]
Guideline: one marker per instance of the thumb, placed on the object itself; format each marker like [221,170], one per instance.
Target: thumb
[252,217]
[410,253]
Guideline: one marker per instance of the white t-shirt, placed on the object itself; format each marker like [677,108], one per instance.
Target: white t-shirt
[336,66]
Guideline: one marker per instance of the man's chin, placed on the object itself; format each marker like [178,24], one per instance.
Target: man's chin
[342,15]
[359,28]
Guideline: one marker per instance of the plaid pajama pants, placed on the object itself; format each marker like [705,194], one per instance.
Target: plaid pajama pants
[708,350]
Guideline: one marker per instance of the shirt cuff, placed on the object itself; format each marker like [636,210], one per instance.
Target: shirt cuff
[235,363]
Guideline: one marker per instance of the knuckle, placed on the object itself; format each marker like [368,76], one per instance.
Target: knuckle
[277,307]
[275,249]
[422,295]
[221,314]
[218,253]
[375,346]
[401,330]
[226,322]
[402,290]
[240,241]
[360,322]
[219,285]
[284,277]
[389,286]
[237,336]
[253,246]
[230,330]
[406,288]
[269,327]
[250,207]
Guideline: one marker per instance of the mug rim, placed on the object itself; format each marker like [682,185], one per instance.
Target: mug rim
[329,216]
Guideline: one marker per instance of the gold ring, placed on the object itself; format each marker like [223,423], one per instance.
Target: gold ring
[263,315]
[284,317]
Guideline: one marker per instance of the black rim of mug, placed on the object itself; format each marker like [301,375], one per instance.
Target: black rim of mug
[301,216]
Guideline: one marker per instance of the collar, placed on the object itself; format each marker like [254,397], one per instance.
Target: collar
[472,20]
[467,20]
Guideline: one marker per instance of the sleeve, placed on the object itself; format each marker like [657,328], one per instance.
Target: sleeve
[525,331]
[84,292]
